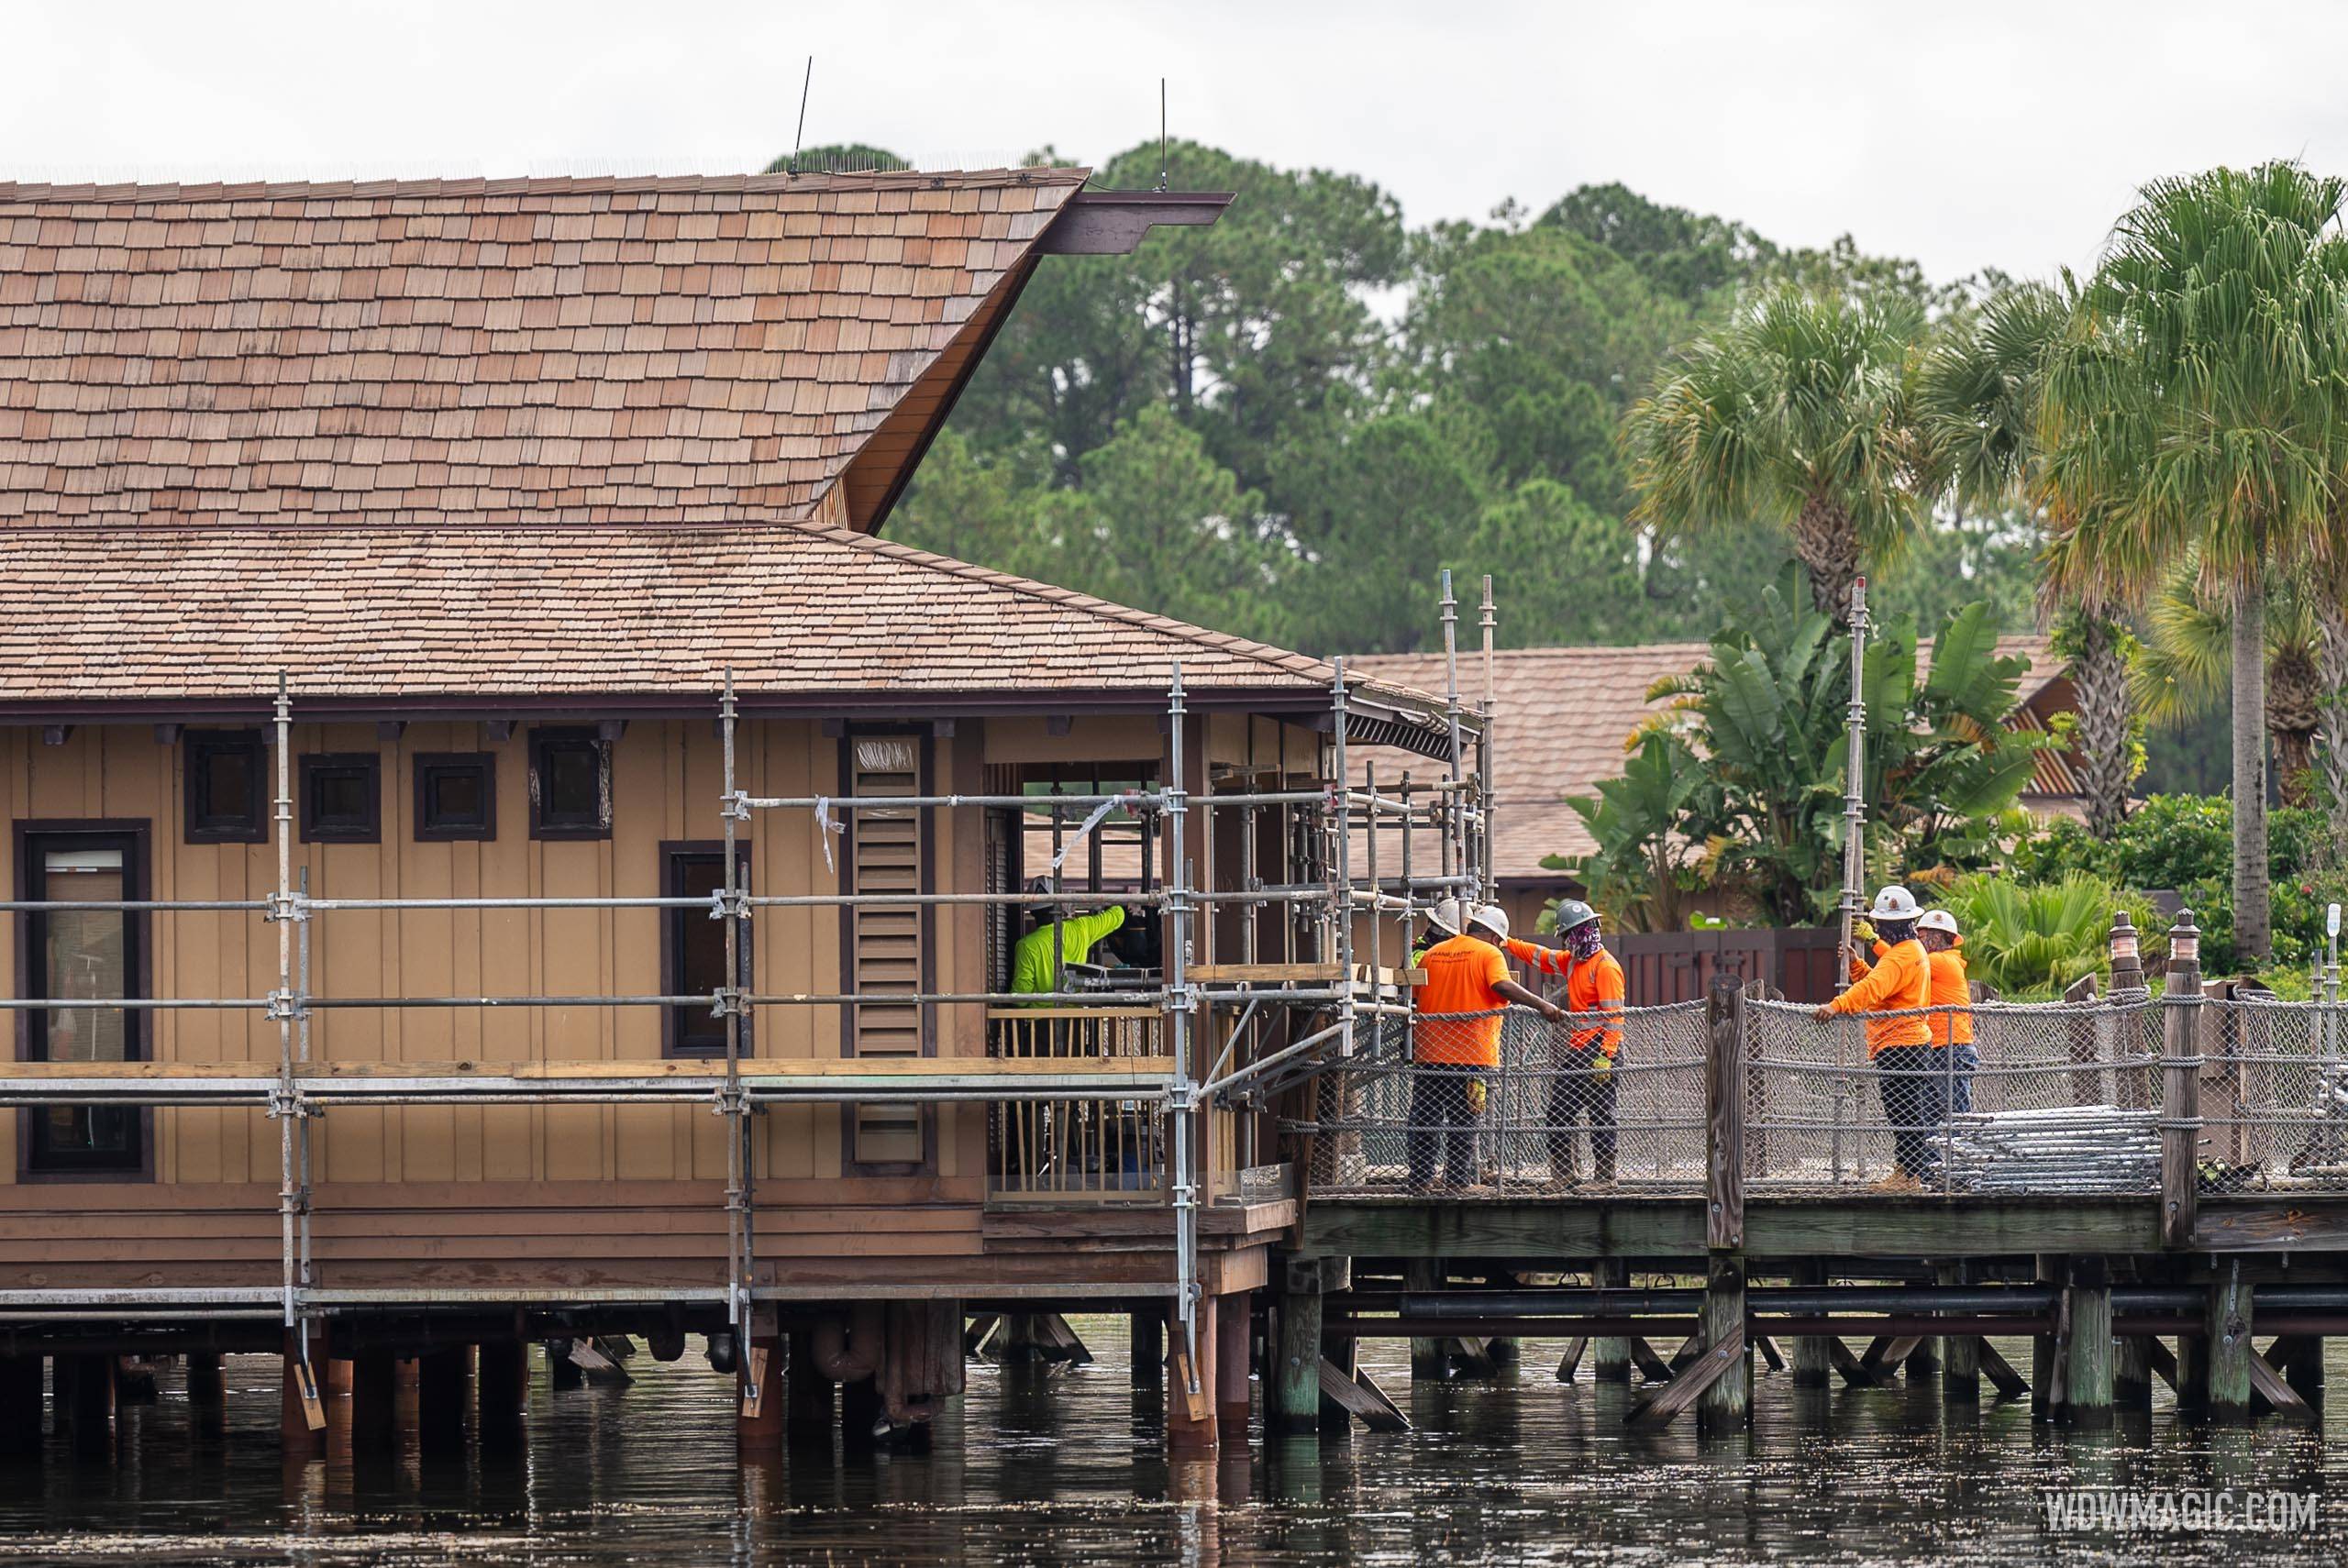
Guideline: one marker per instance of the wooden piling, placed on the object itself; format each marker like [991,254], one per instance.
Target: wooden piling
[2181,1084]
[1342,1356]
[83,1398]
[1427,1358]
[208,1393]
[2302,1359]
[562,1372]
[1610,1355]
[1960,1354]
[2087,1360]
[1726,1403]
[1190,1425]
[1813,1355]
[2229,1343]
[374,1402]
[20,1401]
[807,1395]
[1235,1330]
[2046,1373]
[1148,1342]
[444,1388]
[1292,1403]
[501,1389]
[862,1411]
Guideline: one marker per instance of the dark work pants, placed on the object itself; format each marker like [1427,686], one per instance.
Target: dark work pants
[1915,1101]
[1441,1120]
[1574,1098]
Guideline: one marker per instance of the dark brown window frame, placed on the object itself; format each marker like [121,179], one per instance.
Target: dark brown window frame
[137,833]
[540,738]
[430,764]
[251,826]
[674,1020]
[369,830]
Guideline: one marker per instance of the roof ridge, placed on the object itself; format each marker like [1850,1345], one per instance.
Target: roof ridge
[1223,642]
[527,184]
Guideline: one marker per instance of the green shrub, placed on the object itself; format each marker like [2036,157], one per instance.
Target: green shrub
[2031,940]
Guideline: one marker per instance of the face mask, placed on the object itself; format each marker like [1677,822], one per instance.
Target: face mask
[1583,941]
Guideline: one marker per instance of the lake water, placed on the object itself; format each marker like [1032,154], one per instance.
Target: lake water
[1070,1469]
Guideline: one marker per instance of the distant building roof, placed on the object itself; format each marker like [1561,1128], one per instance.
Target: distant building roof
[1567,715]
[733,348]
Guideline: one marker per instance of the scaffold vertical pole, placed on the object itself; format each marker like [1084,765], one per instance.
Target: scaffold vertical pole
[1181,1091]
[302,1054]
[1342,859]
[732,997]
[281,1003]
[1487,762]
[1855,802]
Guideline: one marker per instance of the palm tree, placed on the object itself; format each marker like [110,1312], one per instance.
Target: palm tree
[2198,405]
[1795,412]
[1978,400]
[2189,654]
[2329,602]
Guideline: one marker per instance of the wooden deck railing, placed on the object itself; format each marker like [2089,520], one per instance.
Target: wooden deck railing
[1083,1150]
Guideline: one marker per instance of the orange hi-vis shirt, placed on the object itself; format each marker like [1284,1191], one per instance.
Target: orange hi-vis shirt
[1461,974]
[1902,981]
[1947,989]
[1592,985]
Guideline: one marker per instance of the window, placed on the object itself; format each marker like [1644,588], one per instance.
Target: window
[83,954]
[692,946]
[887,852]
[456,795]
[342,798]
[227,788]
[571,784]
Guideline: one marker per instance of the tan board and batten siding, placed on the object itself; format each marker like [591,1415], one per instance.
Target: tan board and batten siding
[472,1192]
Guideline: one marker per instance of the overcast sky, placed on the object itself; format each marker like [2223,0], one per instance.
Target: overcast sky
[1995,134]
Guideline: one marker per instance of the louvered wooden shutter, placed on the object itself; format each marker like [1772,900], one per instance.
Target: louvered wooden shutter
[885,940]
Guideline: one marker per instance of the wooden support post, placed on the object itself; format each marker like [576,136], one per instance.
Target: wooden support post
[2181,1041]
[444,1388]
[2302,1359]
[1234,1402]
[1190,1425]
[1146,1336]
[1611,1354]
[1960,1354]
[1923,1363]
[2002,1376]
[1292,1404]
[860,1414]
[1770,1352]
[1652,1367]
[1570,1363]
[374,1402]
[2086,1313]
[1724,1116]
[84,1402]
[2045,1349]
[2132,1374]
[207,1393]
[1346,1356]
[2273,1393]
[1721,1362]
[1726,1404]
[1813,1359]
[2228,1343]
[807,1396]
[1354,1393]
[562,1371]
[1427,1358]
[20,1397]
[501,1390]
[2191,1379]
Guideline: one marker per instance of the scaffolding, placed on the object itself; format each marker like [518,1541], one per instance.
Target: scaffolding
[738,1089]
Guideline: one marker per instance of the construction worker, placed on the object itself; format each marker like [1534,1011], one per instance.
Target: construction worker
[1456,1042]
[1899,1046]
[1443,924]
[1951,1023]
[1584,1088]
[1032,967]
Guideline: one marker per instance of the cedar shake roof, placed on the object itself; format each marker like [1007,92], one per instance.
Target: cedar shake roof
[744,348]
[96,615]
[1567,715]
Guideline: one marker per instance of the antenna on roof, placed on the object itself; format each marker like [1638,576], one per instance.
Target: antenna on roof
[800,136]
[1161,133]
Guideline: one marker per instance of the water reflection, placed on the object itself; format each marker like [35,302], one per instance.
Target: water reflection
[1068,1467]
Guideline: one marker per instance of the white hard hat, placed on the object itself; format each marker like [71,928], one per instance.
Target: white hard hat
[1894,902]
[1937,919]
[1492,918]
[1446,914]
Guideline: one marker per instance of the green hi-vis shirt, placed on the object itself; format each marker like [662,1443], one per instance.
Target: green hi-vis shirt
[1030,961]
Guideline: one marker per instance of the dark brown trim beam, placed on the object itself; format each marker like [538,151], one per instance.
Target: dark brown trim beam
[1112,223]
